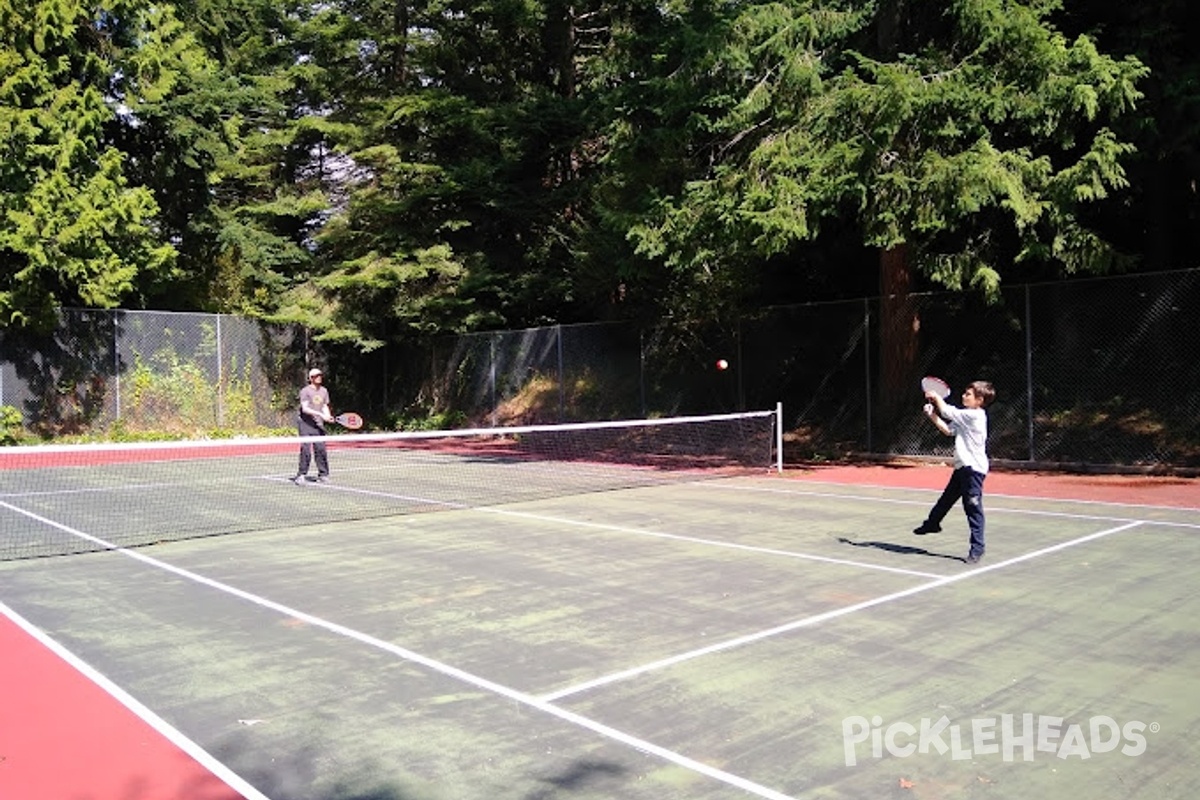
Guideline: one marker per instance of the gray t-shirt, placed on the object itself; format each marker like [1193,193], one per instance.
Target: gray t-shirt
[316,397]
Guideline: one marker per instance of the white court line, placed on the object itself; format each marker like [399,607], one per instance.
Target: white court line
[578,468]
[923,503]
[698,540]
[471,679]
[197,753]
[818,618]
[115,488]
[648,533]
[128,487]
[330,487]
[1009,496]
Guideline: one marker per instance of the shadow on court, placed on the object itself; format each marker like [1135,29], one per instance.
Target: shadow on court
[580,774]
[899,549]
[285,780]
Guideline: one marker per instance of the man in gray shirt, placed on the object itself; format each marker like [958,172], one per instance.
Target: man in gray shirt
[314,413]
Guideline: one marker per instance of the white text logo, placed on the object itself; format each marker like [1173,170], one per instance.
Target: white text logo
[1010,737]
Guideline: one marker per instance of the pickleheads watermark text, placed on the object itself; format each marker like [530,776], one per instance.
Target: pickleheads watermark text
[1010,737]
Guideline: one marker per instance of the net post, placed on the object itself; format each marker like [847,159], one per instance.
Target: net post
[779,437]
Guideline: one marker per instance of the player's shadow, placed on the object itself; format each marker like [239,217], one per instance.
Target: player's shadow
[585,774]
[902,549]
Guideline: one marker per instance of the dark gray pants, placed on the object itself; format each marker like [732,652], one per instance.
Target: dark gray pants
[309,450]
[967,485]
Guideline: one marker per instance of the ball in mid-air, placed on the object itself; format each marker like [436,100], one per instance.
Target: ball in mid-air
[722,364]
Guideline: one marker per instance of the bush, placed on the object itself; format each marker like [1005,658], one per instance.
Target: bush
[12,428]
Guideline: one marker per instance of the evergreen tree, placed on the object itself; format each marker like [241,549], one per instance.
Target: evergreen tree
[964,147]
[454,129]
[1155,220]
[73,229]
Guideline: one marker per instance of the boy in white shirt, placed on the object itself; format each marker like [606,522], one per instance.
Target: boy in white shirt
[968,426]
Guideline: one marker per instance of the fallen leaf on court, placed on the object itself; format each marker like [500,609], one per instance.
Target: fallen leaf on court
[906,784]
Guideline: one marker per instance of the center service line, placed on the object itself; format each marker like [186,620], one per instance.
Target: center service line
[818,618]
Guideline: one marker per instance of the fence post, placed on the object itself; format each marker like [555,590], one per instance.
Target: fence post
[867,368]
[1029,371]
[562,378]
[642,370]
[220,379]
[492,375]
[117,359]
[741,365]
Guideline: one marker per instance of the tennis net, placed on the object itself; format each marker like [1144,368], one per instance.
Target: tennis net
[63,499]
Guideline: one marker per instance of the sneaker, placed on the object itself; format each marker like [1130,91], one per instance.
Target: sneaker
[925,528]
[298,480]
[973,559]
[322,479]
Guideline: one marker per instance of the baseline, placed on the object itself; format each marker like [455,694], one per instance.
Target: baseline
[1006,495]
[991,510]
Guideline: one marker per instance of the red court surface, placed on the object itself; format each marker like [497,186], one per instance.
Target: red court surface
[65,737]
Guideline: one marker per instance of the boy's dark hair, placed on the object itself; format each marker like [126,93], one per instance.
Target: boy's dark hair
[984,391]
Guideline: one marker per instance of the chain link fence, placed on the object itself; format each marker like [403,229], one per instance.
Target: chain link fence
[174,373]
[1090,372]
[1087,372]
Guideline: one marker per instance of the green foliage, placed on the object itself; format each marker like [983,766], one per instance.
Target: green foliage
[432,421]
[167,394]
[121,432]
[977,147]
[73,230]
[12,429]
[448,160]
[380,170]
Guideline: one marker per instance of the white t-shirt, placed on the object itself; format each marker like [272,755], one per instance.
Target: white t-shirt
[970,429]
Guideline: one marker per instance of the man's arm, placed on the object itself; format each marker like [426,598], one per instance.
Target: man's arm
[324,411]
[320,413]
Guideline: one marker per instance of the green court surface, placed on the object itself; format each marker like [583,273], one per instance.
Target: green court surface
[729,638]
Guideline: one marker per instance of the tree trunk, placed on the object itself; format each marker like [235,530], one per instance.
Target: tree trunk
[400,22]
[899,328]
[559,42]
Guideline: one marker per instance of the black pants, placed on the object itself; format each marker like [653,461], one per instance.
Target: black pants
[965,484]
[310,449]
